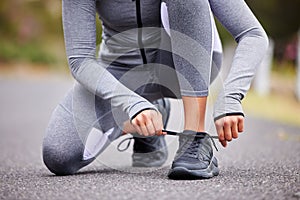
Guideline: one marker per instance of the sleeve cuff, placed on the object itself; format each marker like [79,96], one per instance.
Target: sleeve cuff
[229,114]
[139,107]
[227,107]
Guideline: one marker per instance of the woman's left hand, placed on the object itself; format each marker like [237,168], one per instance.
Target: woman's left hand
[229,127]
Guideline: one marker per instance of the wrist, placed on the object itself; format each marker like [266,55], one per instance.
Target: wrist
[229,114]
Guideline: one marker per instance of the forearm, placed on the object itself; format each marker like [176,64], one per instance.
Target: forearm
[80,41]
[102,83]
[249,53]
[252,40]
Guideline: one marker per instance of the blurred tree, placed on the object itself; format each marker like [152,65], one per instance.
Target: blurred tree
[281,19]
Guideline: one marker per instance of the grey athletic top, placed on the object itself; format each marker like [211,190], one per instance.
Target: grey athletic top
[124,45]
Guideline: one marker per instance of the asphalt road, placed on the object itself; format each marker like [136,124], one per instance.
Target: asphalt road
[263,164]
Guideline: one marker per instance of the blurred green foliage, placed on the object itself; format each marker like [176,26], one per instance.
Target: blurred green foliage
[32,52]
[26,29]
[31,30]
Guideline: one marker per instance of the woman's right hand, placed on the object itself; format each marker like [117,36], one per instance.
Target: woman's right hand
[148,123]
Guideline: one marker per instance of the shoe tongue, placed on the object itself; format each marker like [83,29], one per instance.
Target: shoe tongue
[190,132]
[189,143]
[187,137]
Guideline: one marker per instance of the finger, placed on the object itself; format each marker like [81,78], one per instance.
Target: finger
[144,121]
[158,124]
[219,128]
[159,133]
[137,128]
[164,133]
[135,123]
[234,129]
[241,124]
[220,132]
[139,125]
[227,130]
[150,128]
[224,143]
[144,130]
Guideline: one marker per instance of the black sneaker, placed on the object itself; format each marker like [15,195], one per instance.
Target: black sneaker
[194,158]
[152,151]
[149,152]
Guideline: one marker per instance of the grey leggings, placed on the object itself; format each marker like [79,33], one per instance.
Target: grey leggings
[68,130]
[64,147]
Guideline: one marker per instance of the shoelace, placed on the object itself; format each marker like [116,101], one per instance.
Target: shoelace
[170,133]
[191,148]
[202,135]
[128,144]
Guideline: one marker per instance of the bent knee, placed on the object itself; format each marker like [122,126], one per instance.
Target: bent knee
[61,162]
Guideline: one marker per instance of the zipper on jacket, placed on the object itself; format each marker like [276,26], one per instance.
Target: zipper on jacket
[140,25]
